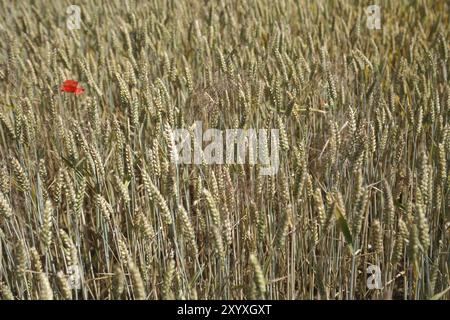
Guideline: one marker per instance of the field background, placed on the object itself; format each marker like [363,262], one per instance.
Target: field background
[87,187]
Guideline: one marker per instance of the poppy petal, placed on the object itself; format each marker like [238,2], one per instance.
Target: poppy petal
[70,83]
[79,91]
[72,86]
[68,89]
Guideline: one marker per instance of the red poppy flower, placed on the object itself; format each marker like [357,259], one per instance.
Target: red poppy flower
[72,86]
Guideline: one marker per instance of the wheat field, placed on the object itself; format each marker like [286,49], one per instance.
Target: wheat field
[92,207]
